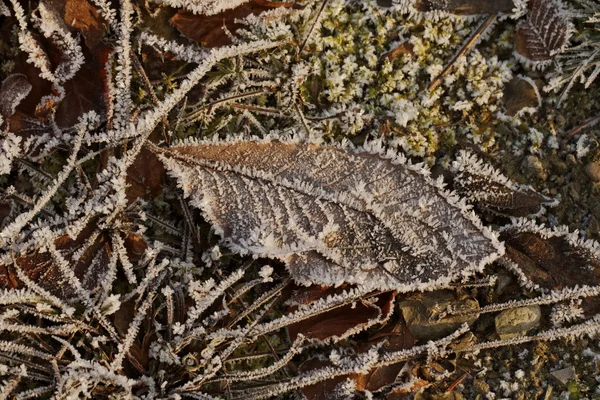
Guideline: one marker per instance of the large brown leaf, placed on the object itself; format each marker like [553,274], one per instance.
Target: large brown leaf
[333,215]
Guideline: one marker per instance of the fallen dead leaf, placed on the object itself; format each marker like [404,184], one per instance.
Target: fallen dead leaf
[208,29]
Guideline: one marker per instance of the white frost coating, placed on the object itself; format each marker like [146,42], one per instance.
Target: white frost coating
[334,214]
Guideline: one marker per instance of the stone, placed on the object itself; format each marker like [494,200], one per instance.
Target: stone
[564,375]
[424,314]
[593,171]
[517,321]
[534,167]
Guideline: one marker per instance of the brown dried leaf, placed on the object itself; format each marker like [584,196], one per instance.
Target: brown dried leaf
[81,16]
[554,259]
[332,215]
[208,29]
[544,33]
[481,184]
[14,89]
[40,268]
[519,94]
[343,320]
[86,91]
[146,176]
[397,337]
[403,48]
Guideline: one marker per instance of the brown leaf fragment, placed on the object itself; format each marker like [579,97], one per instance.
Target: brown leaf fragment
[520,95]
[86,91]
[466,7]
[208,29]
[324,390]
[40,266]
[544,33]
[82,17]
[13,90]
[554,259]
[397,337]
[481,184]
[403,48]
[342,321]
[146,176]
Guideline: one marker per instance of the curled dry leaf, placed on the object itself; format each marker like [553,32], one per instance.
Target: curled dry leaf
[333,215]
[14,89]
[554,259]
[520,95]
[544,33]
[485,186]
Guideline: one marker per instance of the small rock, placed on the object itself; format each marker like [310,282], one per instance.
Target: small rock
[534,167]
[564,375]
[423,314]
[480,386]
[571,160]
[593,171]
[517,321]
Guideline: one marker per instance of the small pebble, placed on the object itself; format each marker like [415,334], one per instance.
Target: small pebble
[534,167]
[593,171]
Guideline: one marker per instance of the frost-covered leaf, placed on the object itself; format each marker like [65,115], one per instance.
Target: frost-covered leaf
[333,215]
[485,186]
[552,259]
[14,89]
[544,33]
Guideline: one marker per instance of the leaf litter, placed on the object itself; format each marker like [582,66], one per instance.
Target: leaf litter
[309,204]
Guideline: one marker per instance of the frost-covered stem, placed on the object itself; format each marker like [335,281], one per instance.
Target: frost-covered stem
[212,370]
[360,364]
[313,26]
[15,348]
[65,269]
[259,302]
[239,376]
[34,393]
[463,50]
[209,298]
[7,388]
[119,248]
[148,120]
[550,298]
[590,327]
[123,78]
[13,229]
